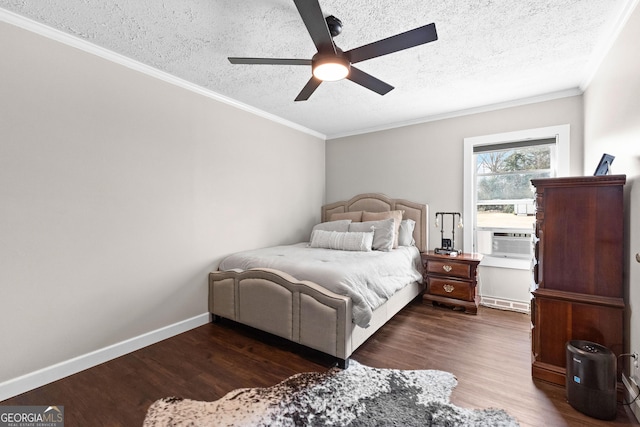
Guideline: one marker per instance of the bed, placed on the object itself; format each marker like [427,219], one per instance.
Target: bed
[264,295]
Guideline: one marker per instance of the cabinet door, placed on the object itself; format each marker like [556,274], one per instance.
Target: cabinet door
[559,321]
[581,248]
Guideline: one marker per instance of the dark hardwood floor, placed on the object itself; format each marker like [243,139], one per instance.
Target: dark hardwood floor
[489,354]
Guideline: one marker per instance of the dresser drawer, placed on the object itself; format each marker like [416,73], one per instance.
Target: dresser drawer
[449,268]
[451,288]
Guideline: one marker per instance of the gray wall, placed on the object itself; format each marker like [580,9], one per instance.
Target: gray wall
[424,162]
[612,125]
[120,192]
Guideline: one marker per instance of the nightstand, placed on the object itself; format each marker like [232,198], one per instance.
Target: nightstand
[452,280]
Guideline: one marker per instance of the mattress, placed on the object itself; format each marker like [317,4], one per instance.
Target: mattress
[368,278]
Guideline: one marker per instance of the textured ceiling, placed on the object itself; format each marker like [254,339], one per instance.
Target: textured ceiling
[488,52]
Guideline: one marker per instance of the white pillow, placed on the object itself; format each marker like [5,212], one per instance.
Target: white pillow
[405,233]
[383,232]
[343,241]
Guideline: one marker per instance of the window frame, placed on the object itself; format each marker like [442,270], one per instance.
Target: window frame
[562,135]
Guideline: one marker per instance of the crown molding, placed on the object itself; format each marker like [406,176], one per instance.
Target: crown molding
[459,113]
[609,36]
[78,43]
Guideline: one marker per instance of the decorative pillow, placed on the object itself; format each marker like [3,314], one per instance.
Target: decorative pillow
[341,225]
[405,233]
[375,216]
[353,216]
[344,241]
[383,232]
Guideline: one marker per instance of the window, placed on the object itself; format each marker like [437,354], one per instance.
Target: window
[504,196]
[498,196]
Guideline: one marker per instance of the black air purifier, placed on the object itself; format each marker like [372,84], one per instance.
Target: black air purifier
[591,379]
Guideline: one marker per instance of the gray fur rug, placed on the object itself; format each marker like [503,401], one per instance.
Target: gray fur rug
[357,396]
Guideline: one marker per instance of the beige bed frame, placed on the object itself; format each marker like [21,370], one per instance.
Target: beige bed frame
[305,312]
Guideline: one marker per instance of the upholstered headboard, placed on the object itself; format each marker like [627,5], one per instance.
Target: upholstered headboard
[374,202]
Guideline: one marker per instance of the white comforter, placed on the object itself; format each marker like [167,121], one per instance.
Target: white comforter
[369,278]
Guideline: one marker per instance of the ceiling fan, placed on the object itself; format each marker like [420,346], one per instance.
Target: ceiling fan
[330,63]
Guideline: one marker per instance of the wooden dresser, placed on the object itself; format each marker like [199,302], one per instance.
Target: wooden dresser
[578,269]
[451,280]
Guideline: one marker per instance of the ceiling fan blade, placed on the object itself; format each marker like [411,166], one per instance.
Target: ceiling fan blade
[313,19]
[269,61]
[308,89]
[395,43]
[368,81]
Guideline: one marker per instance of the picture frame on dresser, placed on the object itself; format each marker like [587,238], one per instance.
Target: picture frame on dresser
[604,165]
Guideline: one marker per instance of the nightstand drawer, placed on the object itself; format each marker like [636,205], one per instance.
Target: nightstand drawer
[451,288]
[449,268]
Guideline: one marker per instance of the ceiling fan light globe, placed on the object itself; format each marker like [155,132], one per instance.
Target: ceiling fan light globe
[331,69]
[330,72]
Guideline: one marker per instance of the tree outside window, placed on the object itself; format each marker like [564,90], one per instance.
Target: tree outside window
[504,195]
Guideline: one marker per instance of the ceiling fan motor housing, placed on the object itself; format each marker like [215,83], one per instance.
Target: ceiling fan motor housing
[334,24]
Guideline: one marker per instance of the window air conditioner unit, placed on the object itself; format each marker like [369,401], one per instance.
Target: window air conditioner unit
[511,244]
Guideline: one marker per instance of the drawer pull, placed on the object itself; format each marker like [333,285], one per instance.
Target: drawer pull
[448,288]
[446,268]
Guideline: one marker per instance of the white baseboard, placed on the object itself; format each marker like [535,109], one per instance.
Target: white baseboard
[630,393]
[505,304]
[61,370]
